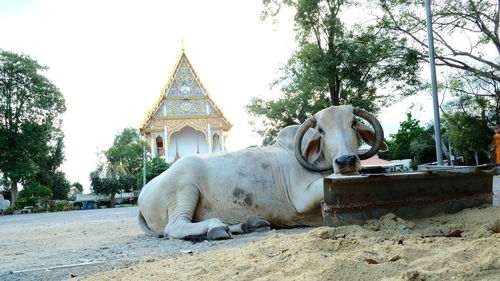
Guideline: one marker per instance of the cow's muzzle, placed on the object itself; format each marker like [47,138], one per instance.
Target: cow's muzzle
[347,164]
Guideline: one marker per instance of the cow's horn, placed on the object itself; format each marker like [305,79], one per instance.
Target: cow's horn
[379,132]
[298,146]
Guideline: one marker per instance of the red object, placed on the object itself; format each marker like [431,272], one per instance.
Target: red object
[377,162]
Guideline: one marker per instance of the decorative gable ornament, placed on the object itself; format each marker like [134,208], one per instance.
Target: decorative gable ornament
[184,119]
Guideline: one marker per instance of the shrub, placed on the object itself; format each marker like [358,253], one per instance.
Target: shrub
[56,206]
[8,211]
[32,194]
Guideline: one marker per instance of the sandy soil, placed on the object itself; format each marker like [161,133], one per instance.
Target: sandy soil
[385,249]
[112,238]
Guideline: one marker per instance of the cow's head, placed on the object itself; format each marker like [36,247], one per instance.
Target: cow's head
[335,137]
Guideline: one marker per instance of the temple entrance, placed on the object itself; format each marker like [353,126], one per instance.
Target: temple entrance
[185,142]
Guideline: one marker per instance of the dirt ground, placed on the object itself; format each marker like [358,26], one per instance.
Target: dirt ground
[463,246]
[110,240]
[110,236]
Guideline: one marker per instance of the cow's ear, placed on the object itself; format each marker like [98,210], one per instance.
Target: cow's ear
[368,135]
[314,147]
[383,147]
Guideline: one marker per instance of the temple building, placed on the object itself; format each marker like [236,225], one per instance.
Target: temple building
[184,119]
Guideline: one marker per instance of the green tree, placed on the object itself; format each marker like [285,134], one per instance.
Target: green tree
[126,153]
[468,131]
[423,147]
[408,131]
[50,175]
[335,64]
[467,44]
[32,194]
[78,186]
[110,180]
[155,167]
[121,170]
[60,186]
[29,109]
[411,142]
[465,32]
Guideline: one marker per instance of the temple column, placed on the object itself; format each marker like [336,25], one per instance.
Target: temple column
[165,143]
[153,145]
[222,148]
[209,133]
[165,132]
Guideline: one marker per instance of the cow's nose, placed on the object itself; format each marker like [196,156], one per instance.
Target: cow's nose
[346,161]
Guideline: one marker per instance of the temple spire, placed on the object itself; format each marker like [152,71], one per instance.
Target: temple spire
[184,102]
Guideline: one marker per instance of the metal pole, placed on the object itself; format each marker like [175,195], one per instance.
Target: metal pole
[450,149]
[437,126]
[143,164]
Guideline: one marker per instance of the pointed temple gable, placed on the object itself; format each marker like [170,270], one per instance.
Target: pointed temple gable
[184,111]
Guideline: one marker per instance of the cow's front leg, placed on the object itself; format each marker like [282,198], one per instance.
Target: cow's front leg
[308,199]
[214,229]
[180,217]
[251,225]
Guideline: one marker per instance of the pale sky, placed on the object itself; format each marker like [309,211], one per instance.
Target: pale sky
[110,60]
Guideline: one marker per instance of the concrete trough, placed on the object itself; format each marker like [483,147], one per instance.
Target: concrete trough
[354,199]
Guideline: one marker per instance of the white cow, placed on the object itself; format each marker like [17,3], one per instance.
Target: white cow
[282,184]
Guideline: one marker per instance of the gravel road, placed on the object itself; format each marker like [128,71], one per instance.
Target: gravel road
[110,237]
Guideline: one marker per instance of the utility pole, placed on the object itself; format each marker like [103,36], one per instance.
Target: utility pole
[437,124]
[143,164]
[451,154]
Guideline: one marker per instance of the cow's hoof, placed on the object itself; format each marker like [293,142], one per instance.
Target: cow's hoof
[219,233]
[195,238]
[256,224]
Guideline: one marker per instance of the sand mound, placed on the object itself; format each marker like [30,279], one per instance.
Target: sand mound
[463,246]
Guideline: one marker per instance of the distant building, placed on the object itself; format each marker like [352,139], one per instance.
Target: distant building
[184,119]
[73,191]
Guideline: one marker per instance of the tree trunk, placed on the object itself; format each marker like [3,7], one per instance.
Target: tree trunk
[13,193]
[333,81]
[112,200]
[334,94]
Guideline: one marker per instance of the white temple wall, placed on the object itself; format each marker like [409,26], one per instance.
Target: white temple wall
[188,140]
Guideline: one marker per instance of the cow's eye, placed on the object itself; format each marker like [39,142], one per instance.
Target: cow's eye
[354,123]
[320,130]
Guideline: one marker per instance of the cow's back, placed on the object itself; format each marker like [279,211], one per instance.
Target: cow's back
[233,186]
[247,183]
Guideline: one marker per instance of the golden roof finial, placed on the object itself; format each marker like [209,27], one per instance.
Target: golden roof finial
[146,125]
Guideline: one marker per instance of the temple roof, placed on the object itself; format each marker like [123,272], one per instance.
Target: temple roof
[185,97]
